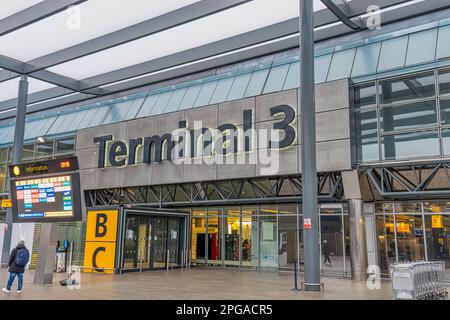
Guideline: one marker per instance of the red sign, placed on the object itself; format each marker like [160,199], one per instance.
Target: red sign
[307,223]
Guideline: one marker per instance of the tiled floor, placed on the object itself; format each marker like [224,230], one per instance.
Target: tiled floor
[195,283]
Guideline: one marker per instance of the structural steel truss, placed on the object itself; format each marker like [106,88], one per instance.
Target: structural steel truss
[413,181]
[225,192]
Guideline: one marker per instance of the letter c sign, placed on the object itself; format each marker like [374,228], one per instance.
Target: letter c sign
[101,240]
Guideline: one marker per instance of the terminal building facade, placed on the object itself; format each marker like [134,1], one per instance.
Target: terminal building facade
[383,157]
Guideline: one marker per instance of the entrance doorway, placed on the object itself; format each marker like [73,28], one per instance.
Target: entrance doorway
[153,240]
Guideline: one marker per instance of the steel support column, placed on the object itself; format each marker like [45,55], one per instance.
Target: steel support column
[16,158]
[308,132]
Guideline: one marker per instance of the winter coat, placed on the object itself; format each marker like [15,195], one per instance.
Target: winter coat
[325,249]
[12,261]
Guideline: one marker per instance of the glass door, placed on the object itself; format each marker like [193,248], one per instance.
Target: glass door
[131,243]
[144,242]
[159,242]
[174,241]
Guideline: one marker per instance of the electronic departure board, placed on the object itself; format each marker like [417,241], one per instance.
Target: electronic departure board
[46,191]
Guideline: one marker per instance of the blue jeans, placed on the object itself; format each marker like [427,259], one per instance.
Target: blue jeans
[12,276]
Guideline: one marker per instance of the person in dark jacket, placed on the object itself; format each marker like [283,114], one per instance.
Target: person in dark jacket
[14,269]
[326,252]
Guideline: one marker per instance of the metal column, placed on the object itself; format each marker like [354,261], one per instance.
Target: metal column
[16,158]
[308,147]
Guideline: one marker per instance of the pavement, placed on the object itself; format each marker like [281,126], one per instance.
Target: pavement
[191,284]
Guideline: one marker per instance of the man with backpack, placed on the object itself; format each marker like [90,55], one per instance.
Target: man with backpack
[17,261]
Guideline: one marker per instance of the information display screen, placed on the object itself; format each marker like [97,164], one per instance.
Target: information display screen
[45,197]
[42,194]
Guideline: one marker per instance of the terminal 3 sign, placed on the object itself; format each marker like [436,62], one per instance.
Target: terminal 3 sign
[186,142]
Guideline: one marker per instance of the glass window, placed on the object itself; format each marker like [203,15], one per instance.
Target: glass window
[446,141]
[445,111]
[438,241]
[386,242]
[232,233]
[393,53]
[341,66]
[198,233]
[65,145]
[239,87]
[365,95]
[28,152]
[94,117]
[256,83]
[222,89]
[276,78]
[147,106]
[408,116]
[366,136]
[134,109]
[410,145]
[366,60]
[444,81]
[44,149]
[268,210]
[249,238]
[287,209]
[117,112]
[421,47]
[268,250]
[205,94]
[321,67]
[410,239]
[4,155]
[332,245]
[293,77]
[287,242]
[175,100]
[161,103]
[214,238]
[443,46]
[3,168]
[190,97]
[408,88]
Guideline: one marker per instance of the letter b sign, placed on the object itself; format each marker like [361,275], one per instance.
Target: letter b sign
[100,225]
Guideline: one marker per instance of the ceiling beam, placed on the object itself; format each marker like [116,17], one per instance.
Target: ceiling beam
[341,14]
[34,13]
[209,51]
[175,18]
[19,67]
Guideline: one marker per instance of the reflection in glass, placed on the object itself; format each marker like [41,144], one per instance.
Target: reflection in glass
[249,240]
[386,241]
[444,81]
[268,250]
[332,247]
[198,240]
[287,242]
[232,232]
[410,238]
[445,111]
[130,247]
[214,235]
[438,242]
[409,116]
[365,95]
[410,145]
[408,88]
[173,241]
[366,136]
[160,242]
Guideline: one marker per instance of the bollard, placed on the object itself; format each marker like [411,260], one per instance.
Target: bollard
[295,278]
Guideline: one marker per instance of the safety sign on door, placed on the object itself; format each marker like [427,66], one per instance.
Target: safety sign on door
[101,240]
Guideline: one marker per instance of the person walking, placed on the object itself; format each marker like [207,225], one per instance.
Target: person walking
[17,261]
[326,252]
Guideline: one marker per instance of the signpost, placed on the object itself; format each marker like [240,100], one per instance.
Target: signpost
[48,192]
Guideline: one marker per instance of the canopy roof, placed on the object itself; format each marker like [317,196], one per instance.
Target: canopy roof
[74,50]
